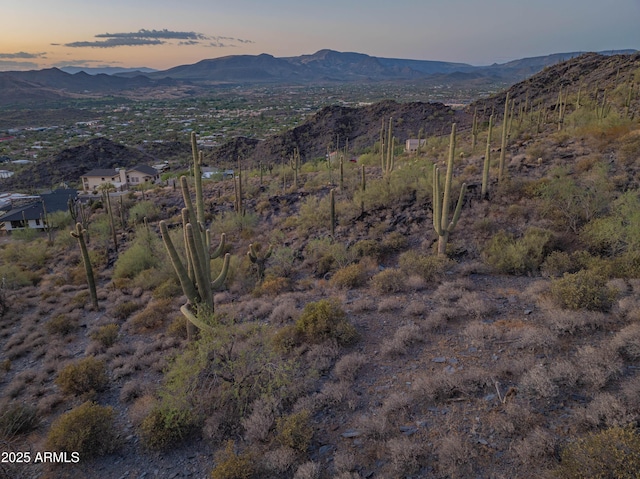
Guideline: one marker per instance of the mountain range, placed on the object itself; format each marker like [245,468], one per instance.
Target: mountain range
[53,84]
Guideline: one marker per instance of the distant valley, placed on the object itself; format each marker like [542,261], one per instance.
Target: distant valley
[26,88]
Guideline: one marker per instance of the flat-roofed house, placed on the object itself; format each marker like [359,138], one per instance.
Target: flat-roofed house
[411,145]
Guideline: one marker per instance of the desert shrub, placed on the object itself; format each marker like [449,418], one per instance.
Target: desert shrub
[394,242]
[125,309]
[323,320]
[25,234]
[571,203]
[327,255]
[84,376]
[16,418]
[224,373]
[87,429]
[367,247]
[582,290]
[143,209]
[231,465]
[146,252]
[272,286]
[106,334]
[152,316]
[282,261]
[427,267]
[166,426]
[518,256]
[350,276]
[295,431]
[170,288]
[614,452]
[390,280]
[558,263]
[61,324]
[617,232]
[15,277]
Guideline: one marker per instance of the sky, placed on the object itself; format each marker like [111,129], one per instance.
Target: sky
[161,34]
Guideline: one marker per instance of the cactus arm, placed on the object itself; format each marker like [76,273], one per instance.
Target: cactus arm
[188,313]
[204,286]
[216,283]
[197,162]
[487,159]
[437,212]
[456,213]
[216,253]
[188,287]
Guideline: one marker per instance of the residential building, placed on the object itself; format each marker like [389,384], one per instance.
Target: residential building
[31,214]
[121,178]
[411,145]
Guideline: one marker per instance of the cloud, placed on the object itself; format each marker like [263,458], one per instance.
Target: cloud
[114,42]
[156,37]
[156,34]
[22,55]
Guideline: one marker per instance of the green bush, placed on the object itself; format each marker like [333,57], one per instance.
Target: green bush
[612,453]
[145,253]
[582,290]
[394,242]
[571,203]
[618,232]
[230,465]
[106,335]
[390,280]
[143,209]
[16,418]
[167,426]
[350,276]
[87,429]
[558,263]
[295,431]
[84,376]
[518,256]
[323,320]
[61,324]
[124,310]
[368,248]
[428,267]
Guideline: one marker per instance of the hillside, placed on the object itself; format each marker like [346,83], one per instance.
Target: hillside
[357,127]
[343,345]
[68,165]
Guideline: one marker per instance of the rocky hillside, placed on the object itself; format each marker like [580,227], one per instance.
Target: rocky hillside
[359,127]
[71,163]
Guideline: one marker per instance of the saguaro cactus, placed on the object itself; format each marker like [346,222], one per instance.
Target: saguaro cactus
[487,160]
[259,258]
[332,212]
[79,235]
[503,144]
[441,222]
[386,148]
[195,275]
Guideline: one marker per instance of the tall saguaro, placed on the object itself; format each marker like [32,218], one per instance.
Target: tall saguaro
[441,223]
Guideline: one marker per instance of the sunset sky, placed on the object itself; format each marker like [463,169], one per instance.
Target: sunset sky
[161,34]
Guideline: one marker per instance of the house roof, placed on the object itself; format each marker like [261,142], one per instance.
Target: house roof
[55,201]
[102,172]
[147,170]
[28,212]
